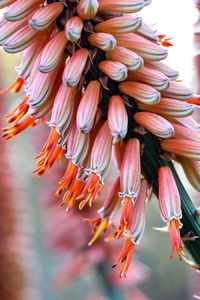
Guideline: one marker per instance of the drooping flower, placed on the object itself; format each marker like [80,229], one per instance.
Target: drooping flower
[170,208]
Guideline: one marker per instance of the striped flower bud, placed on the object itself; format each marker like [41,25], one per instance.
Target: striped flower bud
[147,32]
[78,145]
[88,107]
[170,207]
[149,76]
[147,2]
[192,171]
[178,91]
[141,92]
[103,41]
[3,21]
[169,107]
[63,107]
[131,170]
[114,69]
[143,47]
[155,124]
[4,3]
[53,52]
[161,67]
[73,28]
[125,56]
[87,9]
[119,6]
[74,67]
[123,24]
[20,40]
[117,118]
[10,28]
[20,9]
[188,122]
[138,217]
[184,133]
[45,16]
[183,148]
[101,152]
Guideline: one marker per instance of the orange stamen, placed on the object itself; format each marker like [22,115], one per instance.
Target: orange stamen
[176,242]
[194,100]
[90,191]
[18,113]
[25,122]
[126,216]
[16,86]
[69,176]
[99,222]
[164,41]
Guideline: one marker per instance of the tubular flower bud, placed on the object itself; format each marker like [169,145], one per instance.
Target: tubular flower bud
[187,122]
[114,69]
[4,3]
[88,107]
[155,124]
[87,9]
[117,118]
[45,16]
[141,92]
[161,67]
[118,25]
[77,146]
[106,212]
[147,2]
[20,9]
[169,202]
[149,76]
[99,165]
[103,41]
[74,67]
[10,28]
[183,148]
[192,171]
[169,107]
[184,133]
[131,170]
[127,57]
[53,53]
[20,40]
[63,107]
[177,91]
[73,28]
[3,21]
[143,47]
[119,6]
[147,32]
[133,218]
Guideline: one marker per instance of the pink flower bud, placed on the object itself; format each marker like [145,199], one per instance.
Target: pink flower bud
[147,32]
[141,92]
[155,124]
[20,40]
[149,76]
[117,118]
[184,133]
[161,67]
[73,28]
[178,91]
[114,69]
[169,107]
[53,53]
[103,41]
[183,148]
[88,107]
[119,6]
[45,16]
[20,9]
[118,25]
[170,207]
[192,171]
[87,9]
[143,47]
[74,67]
[131,170]
[63,107]
[4,3]
[10,28]
[127,57]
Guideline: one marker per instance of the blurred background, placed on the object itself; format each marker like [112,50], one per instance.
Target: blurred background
[43,252]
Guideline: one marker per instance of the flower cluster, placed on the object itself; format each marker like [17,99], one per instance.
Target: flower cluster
[96,67]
